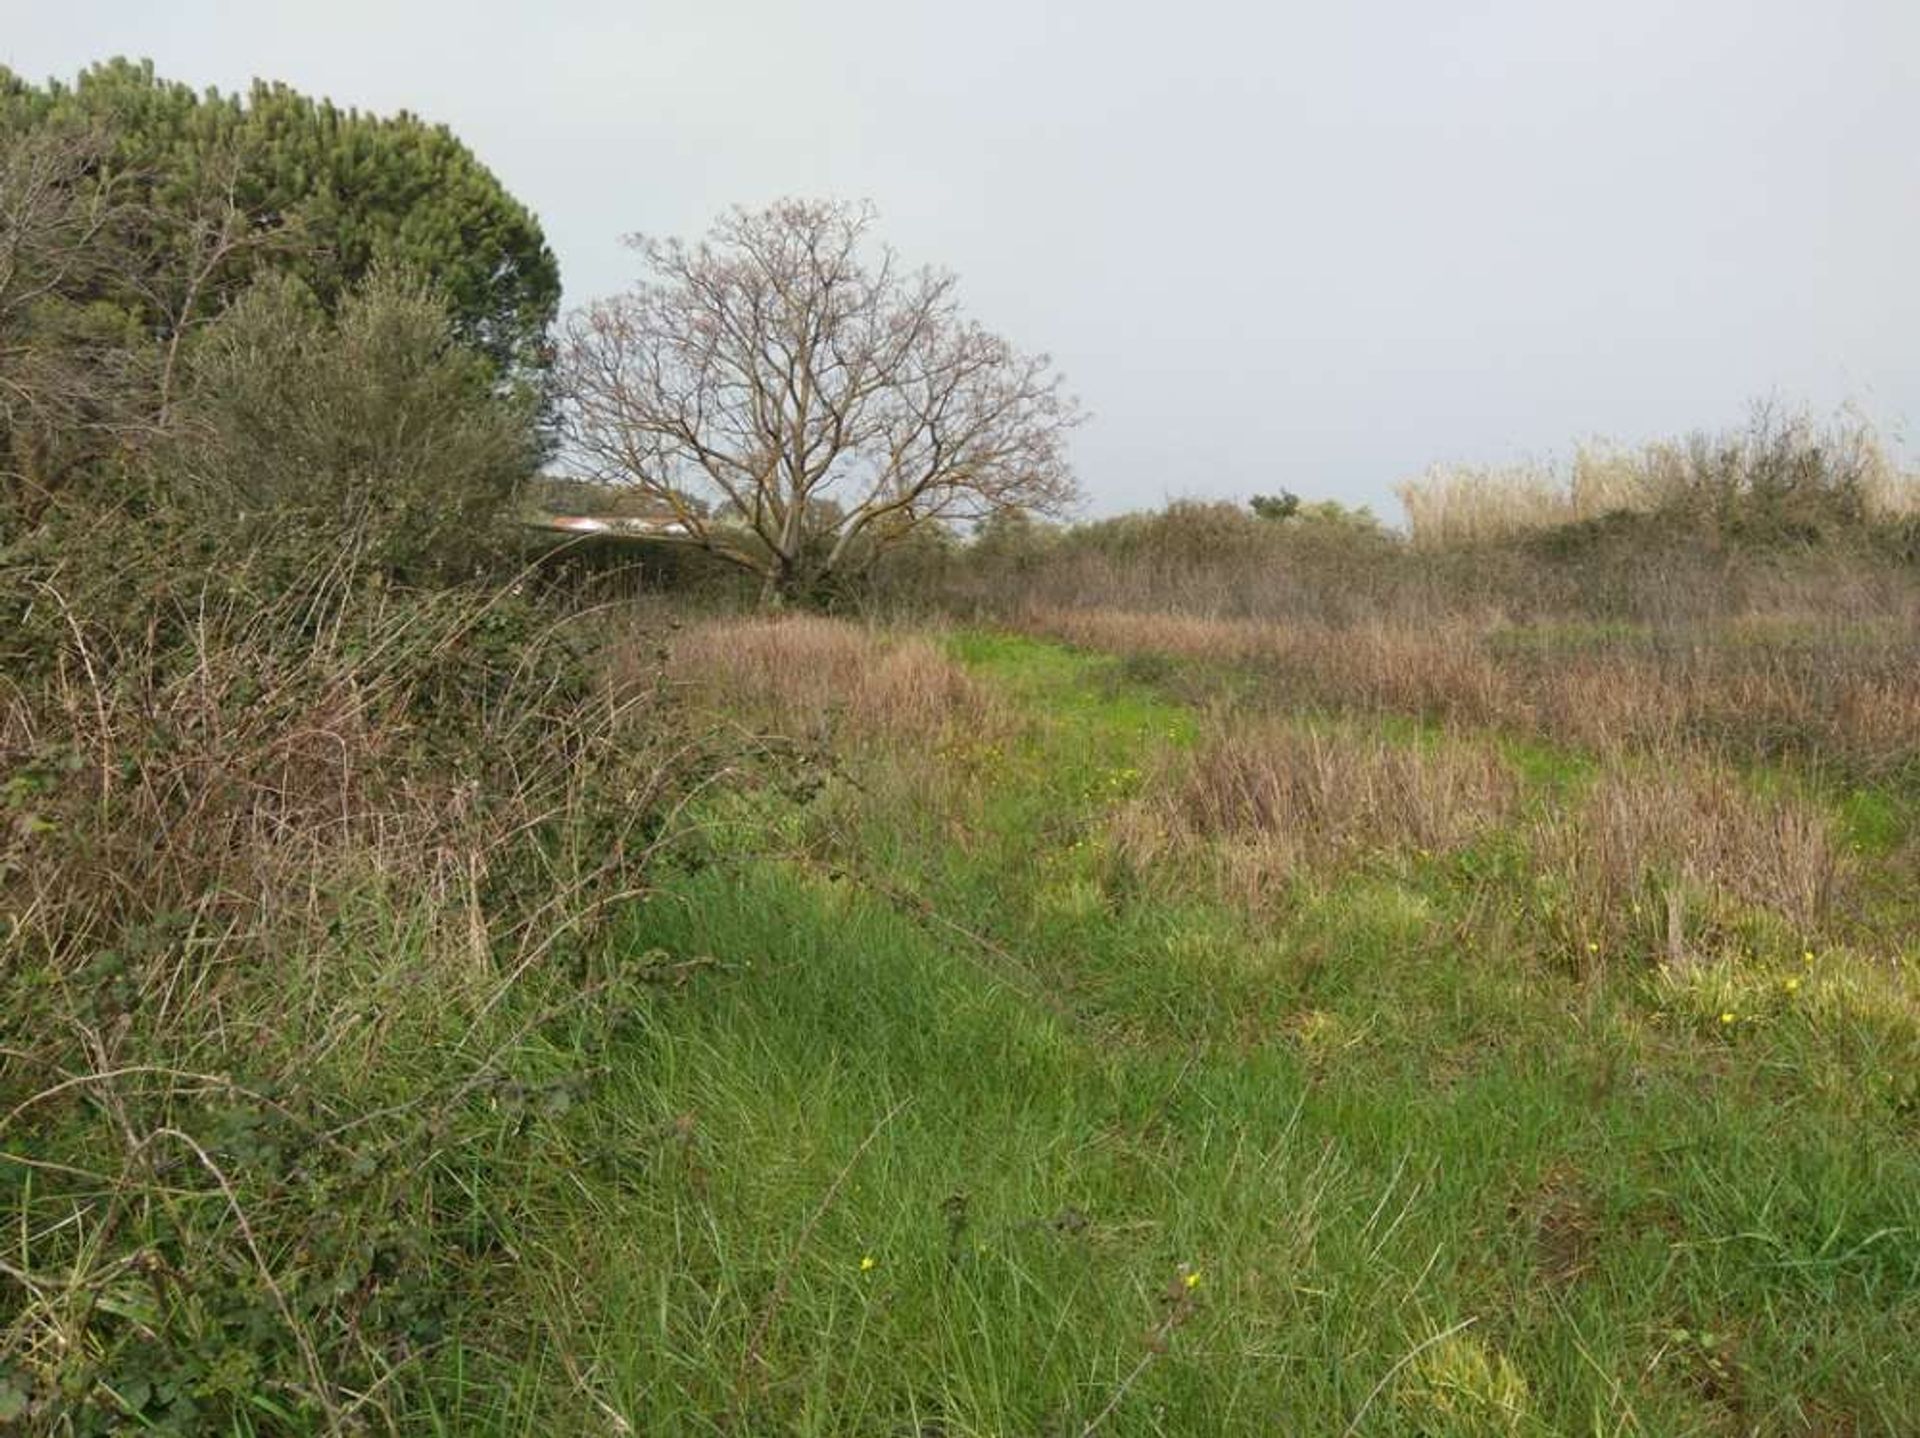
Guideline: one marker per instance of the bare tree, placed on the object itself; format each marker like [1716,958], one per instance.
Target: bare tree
[797,408]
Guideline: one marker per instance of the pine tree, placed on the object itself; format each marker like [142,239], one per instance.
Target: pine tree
[277,180]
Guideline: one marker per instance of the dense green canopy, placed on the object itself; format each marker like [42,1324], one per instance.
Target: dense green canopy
[338,190]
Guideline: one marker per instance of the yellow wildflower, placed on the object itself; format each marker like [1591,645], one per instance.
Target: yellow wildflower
[1192,1280]
[1728,1017]
[867,1263]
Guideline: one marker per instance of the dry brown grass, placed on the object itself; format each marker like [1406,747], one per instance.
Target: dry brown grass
[1655,858]
[1833,693]
[808,675]
[221,781]
[1276,801]
[1440,669]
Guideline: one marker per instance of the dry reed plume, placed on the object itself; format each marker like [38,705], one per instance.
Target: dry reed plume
[1776,457]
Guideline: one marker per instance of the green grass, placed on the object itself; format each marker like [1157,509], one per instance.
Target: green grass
[937,1143]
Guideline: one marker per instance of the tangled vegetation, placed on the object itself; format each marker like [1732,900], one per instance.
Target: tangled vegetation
[306,896]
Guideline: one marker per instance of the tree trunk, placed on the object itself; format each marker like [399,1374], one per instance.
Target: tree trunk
[773,590]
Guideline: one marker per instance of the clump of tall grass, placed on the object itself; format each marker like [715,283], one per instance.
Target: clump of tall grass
[1279,801]
[1662,861]
[807,674]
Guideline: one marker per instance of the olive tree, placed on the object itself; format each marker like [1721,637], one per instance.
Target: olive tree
[798,406]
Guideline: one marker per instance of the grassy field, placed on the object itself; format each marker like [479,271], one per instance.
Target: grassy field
[1236,967]
[1060,1043]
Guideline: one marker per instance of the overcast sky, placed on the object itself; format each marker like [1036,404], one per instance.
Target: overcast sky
[1303,245]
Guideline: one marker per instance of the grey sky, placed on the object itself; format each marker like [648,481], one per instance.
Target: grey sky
[1309,245]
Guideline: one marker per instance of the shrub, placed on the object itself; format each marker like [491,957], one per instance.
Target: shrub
[380,434]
